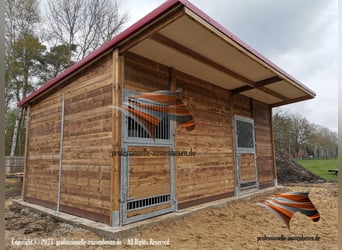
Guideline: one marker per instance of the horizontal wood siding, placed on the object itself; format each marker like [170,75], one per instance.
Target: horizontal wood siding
[210,171]
[43,149]
[86,179]
[148,210]
[145,75]
[261,114]
[265,162]
[247,168]
[148,175]
[242,106]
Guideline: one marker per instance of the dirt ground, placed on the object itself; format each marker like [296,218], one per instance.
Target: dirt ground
[243,225]
[289,171]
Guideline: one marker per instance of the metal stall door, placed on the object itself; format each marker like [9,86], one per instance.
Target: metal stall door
[147,176]
[246,168]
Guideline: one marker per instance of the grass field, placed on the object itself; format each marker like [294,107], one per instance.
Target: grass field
[320,168]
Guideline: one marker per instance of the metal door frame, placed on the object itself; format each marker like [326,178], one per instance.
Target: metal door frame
[241,150]
[125,167]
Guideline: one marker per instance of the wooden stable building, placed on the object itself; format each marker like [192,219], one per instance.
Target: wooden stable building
[74,133]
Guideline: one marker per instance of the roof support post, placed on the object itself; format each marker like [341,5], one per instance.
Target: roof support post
[273,148]
[118,71]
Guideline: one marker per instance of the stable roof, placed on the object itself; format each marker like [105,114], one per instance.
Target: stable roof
[179,35]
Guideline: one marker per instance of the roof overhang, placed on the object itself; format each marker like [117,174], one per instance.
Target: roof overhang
[179,35]
[198,46]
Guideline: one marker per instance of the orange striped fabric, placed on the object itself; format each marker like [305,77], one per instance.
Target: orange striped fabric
[148,109]
[285,205]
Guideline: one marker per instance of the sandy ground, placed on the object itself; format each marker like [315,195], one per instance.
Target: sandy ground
[238,226]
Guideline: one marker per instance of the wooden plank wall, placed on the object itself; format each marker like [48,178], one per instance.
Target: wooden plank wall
[264,146]
[85,183]
[242,106]
[148,175]
[210,171]
[43,149]
[261,114]
[247,168]
[145,75]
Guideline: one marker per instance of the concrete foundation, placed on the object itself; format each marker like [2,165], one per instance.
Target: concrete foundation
[126,231]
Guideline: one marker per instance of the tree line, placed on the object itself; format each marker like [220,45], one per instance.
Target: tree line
[39,47]
[296,137]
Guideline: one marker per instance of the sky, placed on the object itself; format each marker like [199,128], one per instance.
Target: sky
[300,36]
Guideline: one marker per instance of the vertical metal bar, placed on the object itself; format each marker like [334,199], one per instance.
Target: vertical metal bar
[254,154]
[60,157]
[172,165]
[141,132]
[160,126]
[166,124]
[151,126]
[125,134]
[26,153]
[237,156]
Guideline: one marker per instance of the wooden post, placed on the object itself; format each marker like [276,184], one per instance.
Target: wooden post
[26,153]
[116,138]
[232,129]
[273,148]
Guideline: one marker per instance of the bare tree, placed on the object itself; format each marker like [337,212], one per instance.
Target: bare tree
[282,126]
[301,132]
[21,18]
[325,142]
[294,135]
[85,24]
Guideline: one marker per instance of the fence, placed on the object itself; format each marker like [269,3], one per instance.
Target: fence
[14,165]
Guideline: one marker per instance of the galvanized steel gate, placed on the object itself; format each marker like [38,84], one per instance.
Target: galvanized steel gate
[246,166]
[147,175]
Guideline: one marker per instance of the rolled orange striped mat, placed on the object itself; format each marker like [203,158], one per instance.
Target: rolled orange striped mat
[148,109]
[285,205]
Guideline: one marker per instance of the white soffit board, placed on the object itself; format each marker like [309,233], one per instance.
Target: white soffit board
[286,89]
[195,37]
[186,32]
[172,58]
[261,96]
